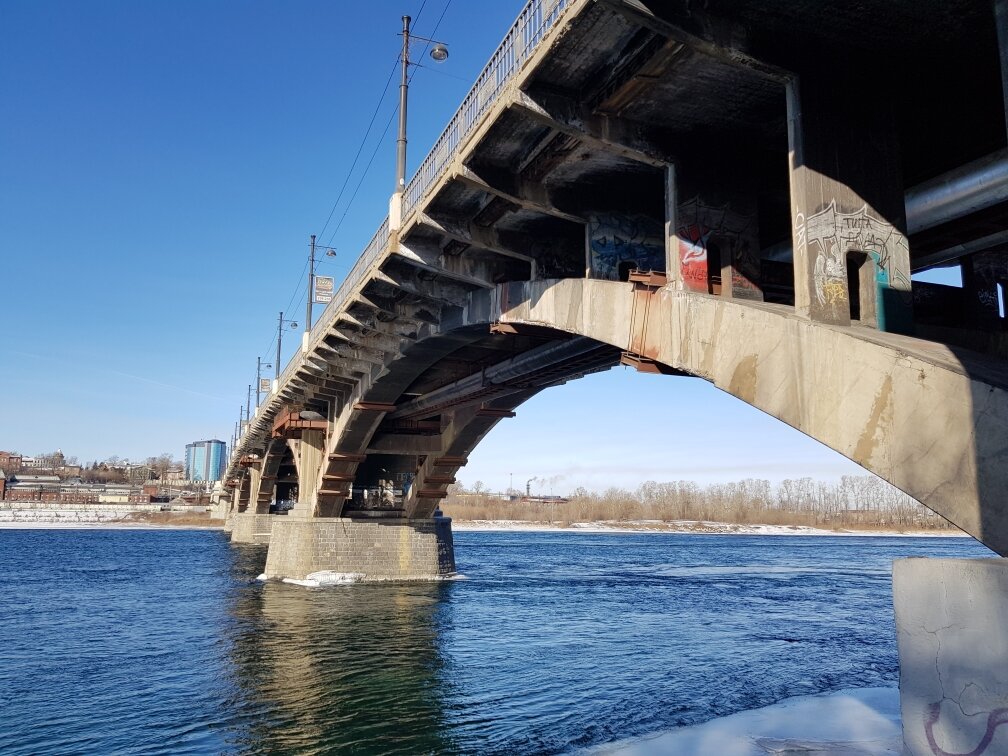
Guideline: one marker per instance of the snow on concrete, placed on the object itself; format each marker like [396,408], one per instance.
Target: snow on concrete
[860,722]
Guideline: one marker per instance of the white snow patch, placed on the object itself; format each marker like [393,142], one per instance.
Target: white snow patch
[698,527]
[858,722]
[262,576]
[326,578]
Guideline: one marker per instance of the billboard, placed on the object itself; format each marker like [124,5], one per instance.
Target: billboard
[265,385]
[323,289]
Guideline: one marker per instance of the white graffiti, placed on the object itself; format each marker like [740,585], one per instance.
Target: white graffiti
[831,235]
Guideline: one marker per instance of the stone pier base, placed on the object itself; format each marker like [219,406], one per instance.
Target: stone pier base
[952,631]
[366,549]
[251,528]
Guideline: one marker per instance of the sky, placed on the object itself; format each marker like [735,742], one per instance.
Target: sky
[162,166]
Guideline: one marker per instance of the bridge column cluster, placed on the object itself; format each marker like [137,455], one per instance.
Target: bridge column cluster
[851,255]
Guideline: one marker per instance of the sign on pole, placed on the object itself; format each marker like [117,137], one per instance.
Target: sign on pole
[323,289]
[265,385]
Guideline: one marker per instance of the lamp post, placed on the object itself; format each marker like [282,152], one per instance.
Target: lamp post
[280,325]
[439,53]
[259,366]
[311,286]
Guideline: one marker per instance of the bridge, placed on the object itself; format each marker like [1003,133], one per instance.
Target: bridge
[740,197]
[739,191]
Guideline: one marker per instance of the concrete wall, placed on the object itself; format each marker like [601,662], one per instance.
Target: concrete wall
[931,421]
[951,620]
[248,527]
[380,549]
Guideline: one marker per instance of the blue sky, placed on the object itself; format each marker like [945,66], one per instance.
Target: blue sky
[162,166]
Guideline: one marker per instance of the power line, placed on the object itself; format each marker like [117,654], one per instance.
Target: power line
[367,133]
[378,145]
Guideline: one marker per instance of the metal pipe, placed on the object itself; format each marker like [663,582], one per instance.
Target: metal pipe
[518,367]
[963,190]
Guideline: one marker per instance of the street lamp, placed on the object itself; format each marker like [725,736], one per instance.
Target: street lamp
[259,366]
[330,252]
[439,53]
[280,325]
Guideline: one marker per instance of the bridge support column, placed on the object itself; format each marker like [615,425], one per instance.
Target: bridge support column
[250,527]
[953,653]
[310,453]
[851,257]
[360,548]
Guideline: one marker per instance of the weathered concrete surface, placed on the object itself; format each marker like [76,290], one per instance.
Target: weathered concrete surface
[951,620]
[378,549]
[248,527]
[930,421]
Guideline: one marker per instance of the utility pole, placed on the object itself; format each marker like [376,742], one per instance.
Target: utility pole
[248,404]
[403,90]
[279,341]
[311,286]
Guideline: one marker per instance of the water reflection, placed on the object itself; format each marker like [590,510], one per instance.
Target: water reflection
[352,668]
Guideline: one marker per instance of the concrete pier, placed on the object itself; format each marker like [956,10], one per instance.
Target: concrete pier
[951,616]
[372,548]
[248,527]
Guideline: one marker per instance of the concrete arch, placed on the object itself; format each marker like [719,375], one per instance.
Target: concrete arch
[931,420]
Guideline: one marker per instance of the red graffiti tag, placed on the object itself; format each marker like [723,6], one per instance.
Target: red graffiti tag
[994,720]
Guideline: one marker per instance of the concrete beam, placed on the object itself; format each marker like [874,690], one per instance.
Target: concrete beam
[639,14]
[435,292]
[482,239]
[431,259]
[612,135]
[510,186]
[404,444]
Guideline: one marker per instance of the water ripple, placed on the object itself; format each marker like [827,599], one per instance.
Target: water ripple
[163,642]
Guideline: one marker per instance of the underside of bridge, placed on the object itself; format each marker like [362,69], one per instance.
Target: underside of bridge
[730,164]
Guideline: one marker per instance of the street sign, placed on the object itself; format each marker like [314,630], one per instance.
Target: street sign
[265,385]
[323,289]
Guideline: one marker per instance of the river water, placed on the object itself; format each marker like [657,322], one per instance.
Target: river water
[161,641]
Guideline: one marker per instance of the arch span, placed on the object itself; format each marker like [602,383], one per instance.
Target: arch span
[929,420]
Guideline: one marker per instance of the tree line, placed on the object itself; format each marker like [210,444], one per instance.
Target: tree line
[854,502]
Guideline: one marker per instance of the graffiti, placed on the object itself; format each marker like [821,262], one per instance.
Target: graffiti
[831,234]
[621,242]
[995,719]
[987,298]
[702,225]
[834,293]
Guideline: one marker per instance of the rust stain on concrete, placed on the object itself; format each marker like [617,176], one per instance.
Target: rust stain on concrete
[873,431]
[743,380]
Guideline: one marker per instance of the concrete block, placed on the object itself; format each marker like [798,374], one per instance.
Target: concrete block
[377,549]
[952,632]
[247,527]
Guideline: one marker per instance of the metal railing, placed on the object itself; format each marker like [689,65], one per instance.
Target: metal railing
[535,19]
[524,36]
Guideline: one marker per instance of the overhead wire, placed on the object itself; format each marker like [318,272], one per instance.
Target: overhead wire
[378,145]
[353,165]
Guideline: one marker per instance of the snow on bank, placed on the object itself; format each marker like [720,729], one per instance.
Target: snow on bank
[861,722]
[682,526]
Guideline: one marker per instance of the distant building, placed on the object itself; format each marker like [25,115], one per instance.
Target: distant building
[205,460]
[10,462]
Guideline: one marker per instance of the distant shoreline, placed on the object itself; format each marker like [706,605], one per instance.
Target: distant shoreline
[686,527]
[679,527]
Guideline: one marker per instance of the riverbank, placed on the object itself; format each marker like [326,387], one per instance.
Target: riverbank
[159,520]
[105,519]
[698,527]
